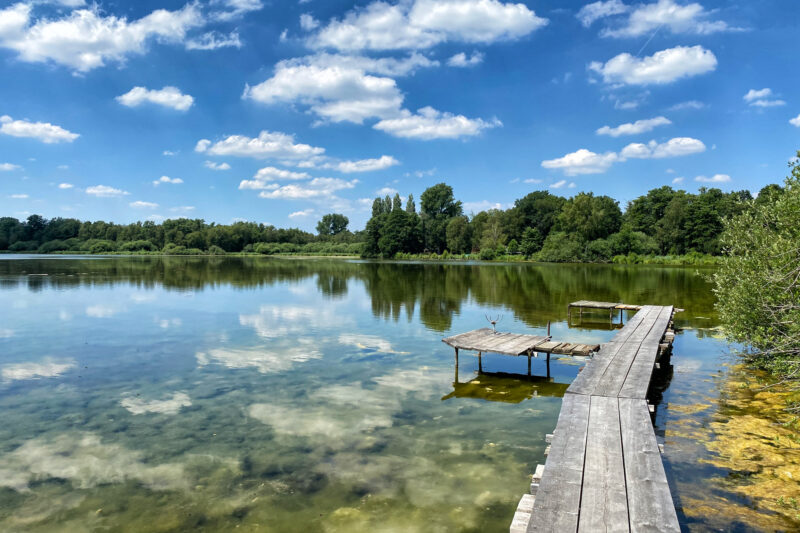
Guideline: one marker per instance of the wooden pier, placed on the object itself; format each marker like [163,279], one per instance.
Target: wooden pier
[603,470]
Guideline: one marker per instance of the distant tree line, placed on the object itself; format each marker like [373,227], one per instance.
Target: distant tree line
[547,227]
[540,226]
[179,236]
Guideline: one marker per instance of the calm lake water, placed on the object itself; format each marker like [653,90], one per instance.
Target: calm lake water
[207,394]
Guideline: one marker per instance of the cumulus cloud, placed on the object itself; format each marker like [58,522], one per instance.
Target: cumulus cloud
[689,18]
[213,40]
[8,167]
[301,214]
[677,180]
[166,179]
[46,368]
[308,22]
[365,165]
[316,188]
[559,184]
[267,145]
[170,97]
[233,9]
[143,205]
[640,126]
[42,131]
[65,185]
[18,196]
[762,98]
[265,178]
[461,60]
[428,123]
[422,24]
[104,191]
[716,178]
[795,121]
[589,13]
[689,104]
[582,161]
[217,166]
[662,67]
[170,406]
[84,39]
[679,146]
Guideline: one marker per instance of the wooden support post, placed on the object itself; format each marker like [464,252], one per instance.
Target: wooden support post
[456,365]
[529,363]
[548,365]
[548,328]
[480,364]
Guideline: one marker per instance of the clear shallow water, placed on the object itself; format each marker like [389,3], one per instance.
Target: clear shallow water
[186,394]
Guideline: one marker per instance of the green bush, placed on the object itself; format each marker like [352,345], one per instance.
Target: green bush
[560,247]
[24,246]
[215,250]
[102,247]
[487,254]
[138,246]
[53,246]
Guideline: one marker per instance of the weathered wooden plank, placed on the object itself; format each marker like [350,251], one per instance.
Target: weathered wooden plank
[589,304]
[558,497]
[637,382]
[592,373]
[604,504]
[650,505]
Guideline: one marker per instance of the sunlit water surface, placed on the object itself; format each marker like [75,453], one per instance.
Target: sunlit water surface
[207,394]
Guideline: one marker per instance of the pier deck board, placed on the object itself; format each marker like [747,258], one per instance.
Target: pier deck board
[485,340]
[604,470]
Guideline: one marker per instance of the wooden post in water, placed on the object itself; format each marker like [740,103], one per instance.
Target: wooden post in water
[548,365]
[529,363]
[480,364]
[456,365]
[548,328]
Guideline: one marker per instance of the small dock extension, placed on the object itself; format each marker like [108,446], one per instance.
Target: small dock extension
[485,340]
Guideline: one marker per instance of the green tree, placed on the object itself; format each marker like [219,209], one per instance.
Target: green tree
[758,283]
[411,207]
[590,217]
[397,202]
[539,210]
[532,241]
[437,208]
[458,235]
[332,224]
[399,234]
[644,212]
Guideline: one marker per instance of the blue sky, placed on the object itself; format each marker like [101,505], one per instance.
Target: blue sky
[279,112]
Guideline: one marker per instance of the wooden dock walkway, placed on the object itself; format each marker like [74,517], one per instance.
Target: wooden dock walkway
[604,470]
[485,340]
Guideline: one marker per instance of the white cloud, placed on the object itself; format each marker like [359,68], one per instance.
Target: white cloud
[170,406]
[482,205]
[104,191]
[267,145]
[217,166]
[182,209]
[640,126]
[429,124]
[582,161]
[677,180]
[424,23]
[167,179]
[716,178]
[365,165]
[265,178]
[589,13]
[47,368]
[65,186]
[386,190]
[795,121]
[42,131]
[662,67]
[762,98]
[559,184]
[316,188]
[235,8]
[532,181]
[213,40]
[689,18]
[85,39]
[461,60]
[143,205]
[8,167]
[302,214]
[18,196]
[169,153]
[676,147]
[689,104]
[308,22]
[167,97]
[335,93]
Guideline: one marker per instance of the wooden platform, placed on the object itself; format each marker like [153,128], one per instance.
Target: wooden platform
[485,340]
[604,470]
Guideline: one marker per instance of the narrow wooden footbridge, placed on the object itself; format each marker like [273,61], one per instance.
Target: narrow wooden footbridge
[603,470]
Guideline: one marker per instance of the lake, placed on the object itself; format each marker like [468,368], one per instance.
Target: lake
[270,394]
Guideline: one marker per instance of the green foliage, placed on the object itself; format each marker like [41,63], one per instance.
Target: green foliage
[53,246]
[532,241]
[332,224]
[758,282]
[513,246]
[590,217]
[138,246]
[560,247]
[399,233]
[459,235]
[24,246]
[215,250]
